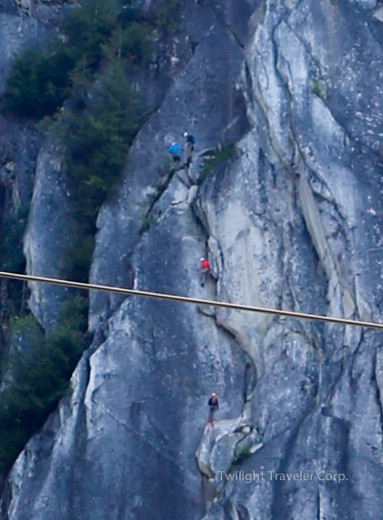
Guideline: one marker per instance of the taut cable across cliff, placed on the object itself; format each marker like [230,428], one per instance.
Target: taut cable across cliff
[186,299]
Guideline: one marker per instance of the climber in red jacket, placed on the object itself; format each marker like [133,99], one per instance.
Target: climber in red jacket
[205,270]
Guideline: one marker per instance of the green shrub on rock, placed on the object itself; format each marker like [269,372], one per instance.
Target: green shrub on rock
[97,140]
[39,82]
[37,375]
[215,157]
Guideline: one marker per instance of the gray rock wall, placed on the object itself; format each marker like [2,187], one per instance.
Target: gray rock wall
[48,235]
[293,220]
[20,147]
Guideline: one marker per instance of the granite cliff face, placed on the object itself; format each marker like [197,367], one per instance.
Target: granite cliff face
[293,219]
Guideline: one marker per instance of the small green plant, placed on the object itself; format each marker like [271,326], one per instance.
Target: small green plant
[11,247]
[11,253]
[165,165]
[168,17]
[215,157]
[241,453]
[147,221]
[136,43]
[88,29]
[319,89]
[78,255]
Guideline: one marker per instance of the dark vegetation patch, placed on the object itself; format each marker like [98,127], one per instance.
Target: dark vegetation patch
[79,88]
[214,158]
[36,375]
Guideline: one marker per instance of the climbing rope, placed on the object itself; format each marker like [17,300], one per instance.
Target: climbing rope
[185,299]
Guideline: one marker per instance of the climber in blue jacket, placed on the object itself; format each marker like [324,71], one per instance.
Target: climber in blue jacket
[175,151]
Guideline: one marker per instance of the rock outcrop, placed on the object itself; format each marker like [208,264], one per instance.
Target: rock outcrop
[293,220]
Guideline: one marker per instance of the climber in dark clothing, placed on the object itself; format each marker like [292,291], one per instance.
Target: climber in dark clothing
[190,142]
[213,406]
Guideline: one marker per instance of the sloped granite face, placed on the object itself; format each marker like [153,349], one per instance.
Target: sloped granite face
[293,220]
[139,402]
[28,170]
[48,234]
[313,171]
[204,100]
